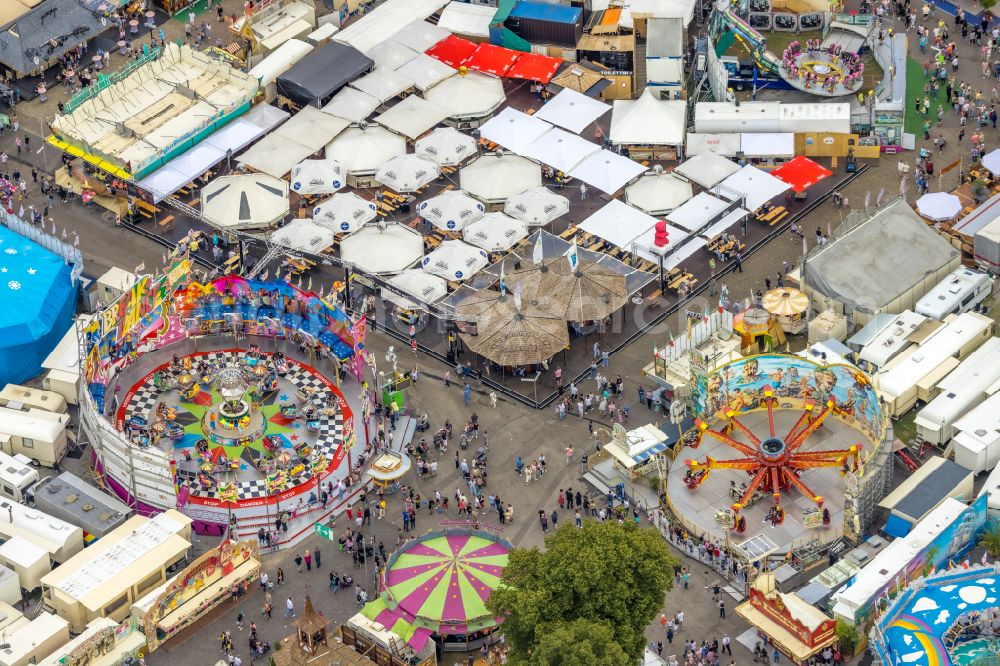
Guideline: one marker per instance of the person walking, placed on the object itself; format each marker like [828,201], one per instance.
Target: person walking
[738,258]
[583,186]
[722,609]
[316,557]
[466,394]
[308,560]
[725,645]
[493,399]
[298,562]
[289,608]
[544,520]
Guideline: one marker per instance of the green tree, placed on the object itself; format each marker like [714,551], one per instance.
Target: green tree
[578,642]
[847,638]
[606,573]
[990,539]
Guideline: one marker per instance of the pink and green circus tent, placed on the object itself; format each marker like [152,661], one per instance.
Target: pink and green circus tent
[439,584]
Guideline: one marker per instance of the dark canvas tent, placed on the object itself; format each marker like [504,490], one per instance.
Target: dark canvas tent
[318,76]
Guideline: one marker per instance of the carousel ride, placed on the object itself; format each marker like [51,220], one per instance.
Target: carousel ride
[774,463]
[829,70]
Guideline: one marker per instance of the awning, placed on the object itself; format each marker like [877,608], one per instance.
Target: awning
[757,186]
[801,173]
[897,527]
[514,130]
[707,169]
[572,110]
[412,117]
[607,171]
[727,145]
[767,144]
[534,67]
[624,226]
[560,149]
[698,211]
[490,59]
[452,50]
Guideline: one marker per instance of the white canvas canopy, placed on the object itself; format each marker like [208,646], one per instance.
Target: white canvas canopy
[607,171]
[426,71]
[731,218]
[572,110]
[648,121]
[451,210]
[455,260]
[514,130]
[658,193]
[303,235]
[727,145]
[418,284]
[383,84]
[767,144]
[352,104]
[471,96]
[406,173]
[664,72]
[280,61]
[707,169]
[304,134]
[344,213]
[493,178]
[391,54]
[412,116]
[463,18]
[251,201]
[495,232]
[697,212]
[382,249]
[628,228]
[361,151]
[756,185]
[939,206]
[537,206]
[560,149]
[420,35]
[446,146]
[386,21]
[318,176]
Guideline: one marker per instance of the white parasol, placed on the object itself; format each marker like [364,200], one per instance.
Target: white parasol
[362,150]
[499,177]
[451,210]
[344,213]
[991,161]
[406,173]
[382,248]
[537,206]
[303,235]
[420,285]
[939,206]
[455,260]
[446,146]
[658,193]
[317,176]
[495,232]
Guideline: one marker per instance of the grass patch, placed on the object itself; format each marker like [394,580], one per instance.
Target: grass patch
[915,82]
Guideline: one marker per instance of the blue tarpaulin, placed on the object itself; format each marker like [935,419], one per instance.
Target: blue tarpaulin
[38,296]
[897,527]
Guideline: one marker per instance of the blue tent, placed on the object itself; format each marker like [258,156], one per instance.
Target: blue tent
[38,298]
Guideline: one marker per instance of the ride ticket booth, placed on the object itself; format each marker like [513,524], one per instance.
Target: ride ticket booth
[634,452]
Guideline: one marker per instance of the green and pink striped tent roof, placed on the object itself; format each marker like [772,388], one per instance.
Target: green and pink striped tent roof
[440,583]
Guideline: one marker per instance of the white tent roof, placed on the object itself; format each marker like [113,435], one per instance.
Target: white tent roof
[471,96]
[537,206]
[664,71]
[250,201]
[722,225]
[658,193]
[492,178]
[363,150]
[455,260]
[385,21]
[426,71]
[514,130]
[707,169]
[572,110]
[421,285]
[351,104]
[697,212]
[560,149]
[607,171]
[344,212]
[726,145]
[304,134]
[280,61]
[682,9]
[758,186]
[406,173]
[382,84]
[420,35]
[317,176]
[303,235]
[767,144]
[412,116]
[648,121]
[625,226]
[382,249]
[391,54]
[495,232]
[463,18]
[446,146]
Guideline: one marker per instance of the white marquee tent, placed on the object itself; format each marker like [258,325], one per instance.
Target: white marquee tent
[382,249]
[628,228]
[426,71]
[756,185]
[658,193]
[304,134]
[352,104]
[317,177]
[412,117]
[572,110]
[607,171]
[420,35]
[383,84]
[537,206]
[707,169]
[251,201]
[474,95]
[386,21]
[648,121]
[391,54]
[451,210]
[697,212]
[560,149]
[455,260]
[494,179]
[463,18]
[446,146]
[406,173]
[514,130]
[363,150]
[495,232]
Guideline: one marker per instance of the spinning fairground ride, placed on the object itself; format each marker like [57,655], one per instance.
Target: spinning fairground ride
[226,400]
[779,448]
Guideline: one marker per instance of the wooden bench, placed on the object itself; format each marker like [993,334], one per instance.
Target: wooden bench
[569,233]
[655,295]
[166,224]
[778,218]
[230,264]
[771,214]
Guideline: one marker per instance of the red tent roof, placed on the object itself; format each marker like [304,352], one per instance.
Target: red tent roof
[534,67]
[801,173]
[491,59]
[452,50]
